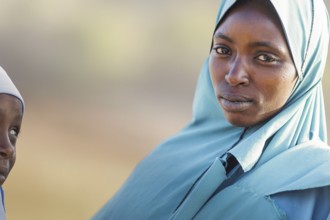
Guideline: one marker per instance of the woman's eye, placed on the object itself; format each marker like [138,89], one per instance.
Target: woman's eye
[222,50]
[267,58]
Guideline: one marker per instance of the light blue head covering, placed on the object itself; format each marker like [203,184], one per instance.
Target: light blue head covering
[288,152]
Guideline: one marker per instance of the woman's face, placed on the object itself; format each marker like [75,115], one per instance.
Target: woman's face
[250,65]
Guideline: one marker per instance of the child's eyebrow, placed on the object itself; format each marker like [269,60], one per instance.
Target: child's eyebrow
[17,117]
[3,112]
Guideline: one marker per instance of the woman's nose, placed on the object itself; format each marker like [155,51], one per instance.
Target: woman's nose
[6,148]
[237,74]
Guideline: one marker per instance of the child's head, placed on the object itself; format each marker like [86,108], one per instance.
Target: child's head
[11,114]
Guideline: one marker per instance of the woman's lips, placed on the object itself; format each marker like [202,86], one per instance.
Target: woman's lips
[234,103]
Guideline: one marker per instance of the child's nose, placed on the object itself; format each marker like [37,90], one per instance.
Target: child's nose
[6,148]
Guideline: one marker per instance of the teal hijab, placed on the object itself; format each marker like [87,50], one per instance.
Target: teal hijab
[178,180]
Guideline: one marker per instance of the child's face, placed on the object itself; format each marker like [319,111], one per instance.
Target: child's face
[11,114]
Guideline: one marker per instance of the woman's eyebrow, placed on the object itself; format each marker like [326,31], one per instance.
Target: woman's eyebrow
[222,36]
[272,46]
[268,44]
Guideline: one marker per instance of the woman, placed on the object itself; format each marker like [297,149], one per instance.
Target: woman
[256,147]
[11,114]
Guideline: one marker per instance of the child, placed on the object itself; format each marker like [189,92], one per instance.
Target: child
[11,114]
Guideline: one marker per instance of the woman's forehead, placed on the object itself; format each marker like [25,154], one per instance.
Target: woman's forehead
[264,7]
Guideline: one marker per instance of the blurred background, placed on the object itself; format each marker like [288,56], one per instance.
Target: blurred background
[104,83]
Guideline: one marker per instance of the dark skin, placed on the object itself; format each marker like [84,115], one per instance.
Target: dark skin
[251,68]
[11,114]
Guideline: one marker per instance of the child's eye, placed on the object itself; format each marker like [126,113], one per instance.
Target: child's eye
[221,50]
[14,132]
[267,58]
